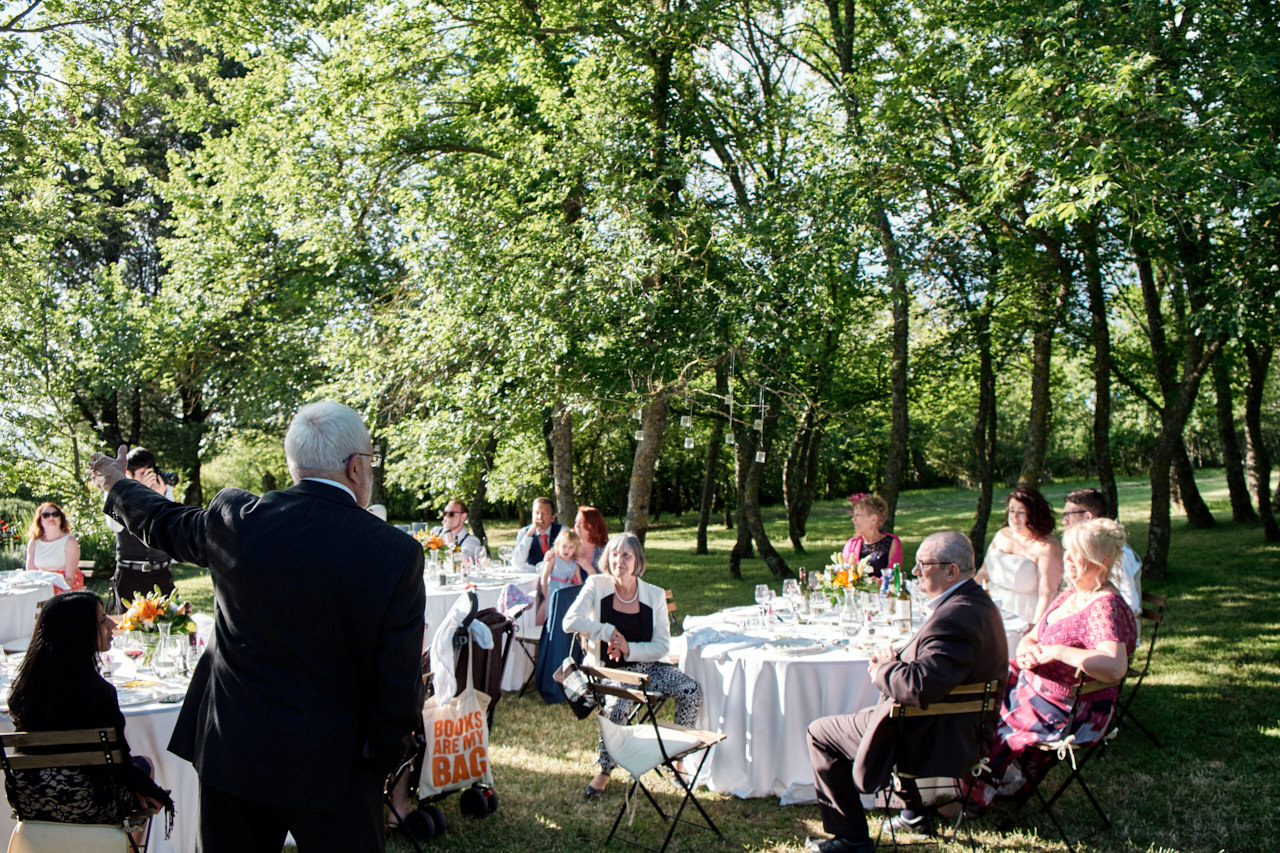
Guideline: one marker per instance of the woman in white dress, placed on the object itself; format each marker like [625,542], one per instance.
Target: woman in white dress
[52,547]
[1023,567]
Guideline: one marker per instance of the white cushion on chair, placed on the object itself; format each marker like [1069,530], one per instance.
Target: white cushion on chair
[636,747]
[38,836]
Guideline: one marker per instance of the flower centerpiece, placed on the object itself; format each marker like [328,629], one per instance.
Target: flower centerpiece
[432,543]
[842,577]
[157,613]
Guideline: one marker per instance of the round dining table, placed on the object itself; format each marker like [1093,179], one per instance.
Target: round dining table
[488,589]
[20,598]
[763,682]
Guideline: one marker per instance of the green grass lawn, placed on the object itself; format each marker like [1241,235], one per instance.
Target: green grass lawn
[1213,698]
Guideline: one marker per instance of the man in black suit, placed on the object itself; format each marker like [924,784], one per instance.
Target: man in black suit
[311,688]
[961,641]
[537,538]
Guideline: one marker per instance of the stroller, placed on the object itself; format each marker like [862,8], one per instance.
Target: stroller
[487,665]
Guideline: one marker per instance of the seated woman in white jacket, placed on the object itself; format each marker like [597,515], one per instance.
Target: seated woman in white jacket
[628,617]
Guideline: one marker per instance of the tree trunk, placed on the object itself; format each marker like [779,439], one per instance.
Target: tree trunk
[711,475]
[984,432]
[475,512]
[561,439]
[799,475]
[1259,359]
[194,418]
[895,468]
[752,515]
[654,425]
[1197,511]
[744,452]
[1232,458]
[1101,367]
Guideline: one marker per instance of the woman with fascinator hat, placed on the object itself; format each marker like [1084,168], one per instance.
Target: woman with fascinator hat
[881,550]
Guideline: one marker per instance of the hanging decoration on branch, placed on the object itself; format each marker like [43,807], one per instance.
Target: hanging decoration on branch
[758,426]
[728,435]
[639,416]
[686,421]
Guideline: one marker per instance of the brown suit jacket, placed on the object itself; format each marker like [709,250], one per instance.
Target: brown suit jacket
[962,642]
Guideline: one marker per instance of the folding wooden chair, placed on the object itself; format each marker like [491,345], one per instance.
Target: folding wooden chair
[981,699]
[1077,755]
[73,749]
[647,744]
[1152,618]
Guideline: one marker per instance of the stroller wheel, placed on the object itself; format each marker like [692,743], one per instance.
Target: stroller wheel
[419,825]
[478,801]
[437,818]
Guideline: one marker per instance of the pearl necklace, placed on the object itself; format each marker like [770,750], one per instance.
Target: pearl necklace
[617,596]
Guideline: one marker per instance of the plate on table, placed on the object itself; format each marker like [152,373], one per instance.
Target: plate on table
[795,646]
[134,696]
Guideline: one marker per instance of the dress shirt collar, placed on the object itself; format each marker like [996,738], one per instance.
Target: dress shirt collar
[342,486]
[935,602]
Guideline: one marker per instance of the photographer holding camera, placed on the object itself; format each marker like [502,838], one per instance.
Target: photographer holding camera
[140,568]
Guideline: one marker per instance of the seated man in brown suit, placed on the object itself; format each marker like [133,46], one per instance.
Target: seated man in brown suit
[961,641]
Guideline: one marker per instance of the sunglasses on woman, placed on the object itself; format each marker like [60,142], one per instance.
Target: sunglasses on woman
[50,514]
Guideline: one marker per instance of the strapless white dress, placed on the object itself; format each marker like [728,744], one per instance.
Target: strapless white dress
[1013,583]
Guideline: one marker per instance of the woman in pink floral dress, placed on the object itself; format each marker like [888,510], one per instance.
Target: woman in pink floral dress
[1087,629]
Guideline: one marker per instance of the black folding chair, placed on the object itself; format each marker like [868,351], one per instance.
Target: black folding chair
[982,700]
[648,744]
[1068,751]
[1152,616]
[73,750]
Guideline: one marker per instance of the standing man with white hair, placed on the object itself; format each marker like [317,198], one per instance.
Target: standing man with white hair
[311,688]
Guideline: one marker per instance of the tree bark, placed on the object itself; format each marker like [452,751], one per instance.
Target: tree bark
[562,462]
[1039,423]
[1101,367]
[800,474]
[1258,357]
[711,474]
[1197,511]
[752,516]
[895,468]
[744,451]
[984,431]
[1232,457]
[475,511]
[654,425]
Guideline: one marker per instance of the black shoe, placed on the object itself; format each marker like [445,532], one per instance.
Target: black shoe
[918,825]
[839,845]
[592,794]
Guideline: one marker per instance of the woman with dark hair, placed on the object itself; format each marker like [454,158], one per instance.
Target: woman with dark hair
[52,548]
[594,535]
[58,688]
[1023,567]
[882,551]
[624,620]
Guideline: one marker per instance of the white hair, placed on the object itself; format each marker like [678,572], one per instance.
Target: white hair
[322,437]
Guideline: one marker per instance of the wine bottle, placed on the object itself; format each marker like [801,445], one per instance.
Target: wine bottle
[902,598]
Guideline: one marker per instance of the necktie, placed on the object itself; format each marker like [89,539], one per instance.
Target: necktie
[542,537]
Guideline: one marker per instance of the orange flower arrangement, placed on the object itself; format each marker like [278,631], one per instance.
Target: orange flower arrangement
[430,541]
[146,613]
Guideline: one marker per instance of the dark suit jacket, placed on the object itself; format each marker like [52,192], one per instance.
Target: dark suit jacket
[961,643]
[318,622]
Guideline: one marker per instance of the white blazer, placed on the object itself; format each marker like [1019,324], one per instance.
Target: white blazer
[584,618]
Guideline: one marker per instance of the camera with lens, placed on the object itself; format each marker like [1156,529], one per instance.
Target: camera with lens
[169,478]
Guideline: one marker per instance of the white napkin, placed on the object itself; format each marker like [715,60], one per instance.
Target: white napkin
[443,658]
[47,577]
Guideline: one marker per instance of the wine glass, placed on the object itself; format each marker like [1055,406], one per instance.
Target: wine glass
[763,594]
[505,553]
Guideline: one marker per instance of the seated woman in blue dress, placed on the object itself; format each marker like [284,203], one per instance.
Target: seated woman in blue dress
[58,688]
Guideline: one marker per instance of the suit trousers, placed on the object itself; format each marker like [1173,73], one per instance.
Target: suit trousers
[833,746]
[231,824]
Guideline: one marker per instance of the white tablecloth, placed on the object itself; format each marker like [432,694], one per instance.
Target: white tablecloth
[440,599]
[762,701]
[18,612]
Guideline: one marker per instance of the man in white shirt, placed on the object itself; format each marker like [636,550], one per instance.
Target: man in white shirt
[534,541]
[453,529]
[1086,504]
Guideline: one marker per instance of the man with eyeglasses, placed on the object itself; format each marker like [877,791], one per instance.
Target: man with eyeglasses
[453,528]
[311,689]
[1087,504]
[140,568]
[962,641]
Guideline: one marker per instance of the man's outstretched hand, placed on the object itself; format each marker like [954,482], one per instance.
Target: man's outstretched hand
[105,471]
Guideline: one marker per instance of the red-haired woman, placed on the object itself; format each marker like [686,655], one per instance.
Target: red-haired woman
[52,547]
[594,535]
[1023,566]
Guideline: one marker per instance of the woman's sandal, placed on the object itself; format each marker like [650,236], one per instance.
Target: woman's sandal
[592,794]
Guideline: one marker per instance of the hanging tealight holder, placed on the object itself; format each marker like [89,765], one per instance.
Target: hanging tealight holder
[759,455]
[639,436]
[688,443]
